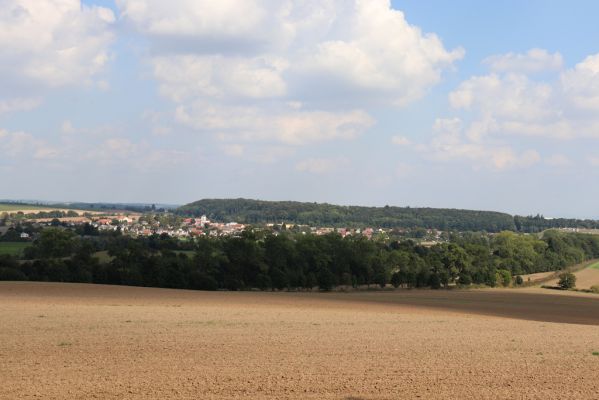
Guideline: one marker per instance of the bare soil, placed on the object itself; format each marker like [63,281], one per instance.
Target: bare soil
[70,341]
[584,278]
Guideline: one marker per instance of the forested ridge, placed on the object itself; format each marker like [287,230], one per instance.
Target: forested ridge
[315,214]
[263,260]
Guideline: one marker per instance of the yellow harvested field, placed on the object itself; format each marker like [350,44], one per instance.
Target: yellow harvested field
[585,278]
[537,277]
[71,341]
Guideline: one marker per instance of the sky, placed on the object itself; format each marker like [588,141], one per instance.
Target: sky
[461,104]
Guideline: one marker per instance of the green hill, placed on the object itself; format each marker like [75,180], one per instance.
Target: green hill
[258,211]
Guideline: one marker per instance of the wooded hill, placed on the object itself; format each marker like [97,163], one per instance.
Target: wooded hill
[321,214]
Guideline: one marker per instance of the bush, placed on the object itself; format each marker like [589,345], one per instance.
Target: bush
[504,277]
[465,279]
[595,289]
[396,280]
[519,280]
[434,282]
[9,274]
[567,280]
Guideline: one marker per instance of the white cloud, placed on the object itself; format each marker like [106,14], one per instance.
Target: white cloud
[374,49]
[449,144]
[289,126]
[535,60]
[19,104]
[184,77]
[321,166]
[23,146]
[515,104]
[67,127]
[52,42]
[141,155]
[400,140]
[284,72]
[206,25]
[581,84]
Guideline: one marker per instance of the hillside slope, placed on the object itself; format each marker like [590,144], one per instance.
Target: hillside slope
[258,211]
[323,214]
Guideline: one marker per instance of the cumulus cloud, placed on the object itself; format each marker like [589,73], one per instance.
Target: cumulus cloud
[289,126]
[52,42]
[229,66]
[24,146]
[535,60]
[514,103]
[450,144]
[184,77]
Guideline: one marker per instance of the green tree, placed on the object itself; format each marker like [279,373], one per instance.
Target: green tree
[567,280]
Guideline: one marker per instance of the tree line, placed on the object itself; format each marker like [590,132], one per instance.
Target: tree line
[314,214]
[266,261]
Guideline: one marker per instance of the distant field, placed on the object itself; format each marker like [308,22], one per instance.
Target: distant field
[21,207]
[585,278]
[13,248]
[33,209]
[72,341]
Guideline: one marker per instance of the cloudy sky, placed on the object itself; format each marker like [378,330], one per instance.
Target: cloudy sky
[466,104]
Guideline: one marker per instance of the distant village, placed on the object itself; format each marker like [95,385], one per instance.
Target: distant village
[148,224]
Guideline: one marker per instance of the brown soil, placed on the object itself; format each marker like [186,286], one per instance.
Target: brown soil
[67,341]
[584,279]
[537,277]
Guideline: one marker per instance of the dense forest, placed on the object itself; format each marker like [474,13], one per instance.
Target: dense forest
[314,214]
[262,260]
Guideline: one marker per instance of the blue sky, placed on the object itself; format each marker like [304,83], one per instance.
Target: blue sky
[465,104]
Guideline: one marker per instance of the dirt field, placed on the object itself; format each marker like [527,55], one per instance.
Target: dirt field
[537,277]
[584,278]
[68,341]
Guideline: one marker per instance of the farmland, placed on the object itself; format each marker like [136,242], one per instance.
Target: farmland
[585,278]
[85,341]
[8,207]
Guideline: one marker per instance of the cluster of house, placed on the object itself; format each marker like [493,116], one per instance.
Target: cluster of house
[137,224]
[203,226]
[367,232]
[189,227]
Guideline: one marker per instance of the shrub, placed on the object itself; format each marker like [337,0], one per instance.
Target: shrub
[519,280]
[396,280]
[504,277]
[567,280]
[434,282]
[595,289]
[465,278]
[10,274]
